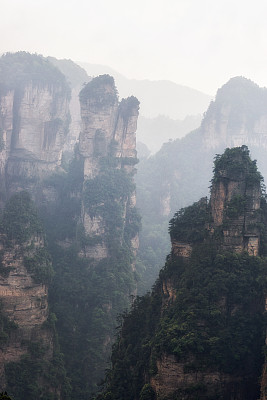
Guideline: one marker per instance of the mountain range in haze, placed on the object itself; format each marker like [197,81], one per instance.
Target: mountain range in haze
[168,110]
[156,97]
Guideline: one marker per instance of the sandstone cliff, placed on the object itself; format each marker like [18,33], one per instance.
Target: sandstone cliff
[180,173]
[34,119]
[108,133]
[93,231]
[232,220]
[76,77]
[201,330]
[25,273]
[91,223]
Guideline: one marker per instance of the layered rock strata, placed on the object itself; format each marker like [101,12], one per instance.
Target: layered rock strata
[34,120]
[232,221]
[33,139]
[24,302]
[108,132]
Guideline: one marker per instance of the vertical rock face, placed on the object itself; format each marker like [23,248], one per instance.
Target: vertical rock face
[234,206]
[238,116]
[99,277]
[34,119]
[108,133]
[76,77]
[235,216]
[24,274]
[36,147]
[235,201]
[199,335]
[89,212]
[235,219]
[108,127]
[37,135]
[25,303]
[99,111]
[6,128]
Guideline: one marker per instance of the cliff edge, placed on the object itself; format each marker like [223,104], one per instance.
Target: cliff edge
[201,330]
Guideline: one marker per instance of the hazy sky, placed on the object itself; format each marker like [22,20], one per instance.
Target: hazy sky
[197,43]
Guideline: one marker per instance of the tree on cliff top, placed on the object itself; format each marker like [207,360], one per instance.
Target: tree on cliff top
[21,68]
[4,396]
[101,90]
[213,322]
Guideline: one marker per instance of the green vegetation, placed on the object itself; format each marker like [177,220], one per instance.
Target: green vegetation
[236,206]
[175,177]
[182,169]
[86,295]
[21,225]
[188,224]
[21,68]
[35,377]
[217,314]
[236,163]
[6,327]
[39,266]
[147,393]
[215,322]
[213,318]
[106,195]
[4,396]
[127,106]
[96,91]
[20,219]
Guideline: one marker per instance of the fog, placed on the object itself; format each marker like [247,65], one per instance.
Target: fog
[197,44]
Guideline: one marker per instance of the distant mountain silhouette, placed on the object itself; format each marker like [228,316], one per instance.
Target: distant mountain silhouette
[156,97]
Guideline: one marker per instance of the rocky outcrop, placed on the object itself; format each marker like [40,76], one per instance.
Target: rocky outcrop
[25,272]
[108,133]
[180,249]
[234,208]
[173,379]
[76,77]
[34,120]
[233,220]
[238,116]
[108,127]
[235,201]
[24,302]
[34,138]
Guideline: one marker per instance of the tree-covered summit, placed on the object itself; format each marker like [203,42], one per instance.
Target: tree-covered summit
[235,162]
[21,68]
[101,90]
[200,333]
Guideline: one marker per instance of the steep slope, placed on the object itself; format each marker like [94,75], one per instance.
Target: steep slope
[107,137]
[91,227]
[76,77]
[34,120]
[181,171]
[31,366]
[93,233]
[200,333]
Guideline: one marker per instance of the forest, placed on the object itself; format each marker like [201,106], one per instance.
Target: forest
[116,281]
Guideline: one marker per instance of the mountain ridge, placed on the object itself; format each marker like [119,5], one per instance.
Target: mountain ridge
[157,97]
[199,333]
